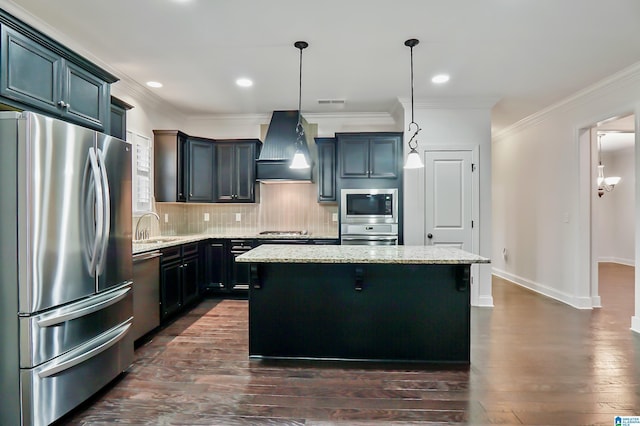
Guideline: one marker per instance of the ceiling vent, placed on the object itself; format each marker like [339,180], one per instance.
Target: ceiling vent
[332,102]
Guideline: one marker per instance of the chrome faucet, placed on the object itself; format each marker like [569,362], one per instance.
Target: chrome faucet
[144,234]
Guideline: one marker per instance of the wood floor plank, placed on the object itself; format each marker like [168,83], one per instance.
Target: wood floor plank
[533,361]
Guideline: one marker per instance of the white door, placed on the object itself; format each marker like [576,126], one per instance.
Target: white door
[448,199]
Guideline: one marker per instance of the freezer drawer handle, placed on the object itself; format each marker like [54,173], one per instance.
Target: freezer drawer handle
[114,337]
[60,317]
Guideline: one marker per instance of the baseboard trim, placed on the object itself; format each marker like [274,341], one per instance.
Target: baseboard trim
[618,260]
[635,324]
[484,302]
[573,301]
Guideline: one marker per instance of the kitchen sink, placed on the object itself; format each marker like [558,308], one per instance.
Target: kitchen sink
[156,240]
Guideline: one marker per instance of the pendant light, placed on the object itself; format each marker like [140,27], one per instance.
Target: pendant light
[604,183]
[299,160]
[413,159]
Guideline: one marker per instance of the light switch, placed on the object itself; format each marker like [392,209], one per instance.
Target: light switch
[238,217]
[206,217]
[166,218]
[334,217]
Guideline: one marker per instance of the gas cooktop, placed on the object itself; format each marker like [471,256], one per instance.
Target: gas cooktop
[285,233]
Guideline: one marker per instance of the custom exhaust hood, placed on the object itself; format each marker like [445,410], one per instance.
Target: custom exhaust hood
[278,149]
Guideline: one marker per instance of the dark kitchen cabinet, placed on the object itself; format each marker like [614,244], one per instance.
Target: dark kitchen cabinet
[200,161]
[236,170]
[39,74]
[179,278]
[327,191]
[240,275]
[169,151]
[369,155]
[118,120]
[215,260]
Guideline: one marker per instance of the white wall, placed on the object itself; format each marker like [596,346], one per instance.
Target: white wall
[461,123]
[541,214]
[614,211]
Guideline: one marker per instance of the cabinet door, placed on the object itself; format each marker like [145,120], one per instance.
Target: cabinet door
[326,170]
[190,280]
[215,266]
[170,288]
[383,157]
[240,274]
[245,172]
[200,170]
[354,158]
[225,182]
[118,122]
[29,72]
[85,96]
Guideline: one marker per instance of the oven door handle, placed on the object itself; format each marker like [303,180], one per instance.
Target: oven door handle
[369,238]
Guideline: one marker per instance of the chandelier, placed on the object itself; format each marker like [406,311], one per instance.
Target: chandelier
[605,184]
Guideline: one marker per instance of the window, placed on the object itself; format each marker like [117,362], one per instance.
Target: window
[142,173]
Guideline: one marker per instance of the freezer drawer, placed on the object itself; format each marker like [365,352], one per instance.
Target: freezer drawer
[54,388]
[50,334]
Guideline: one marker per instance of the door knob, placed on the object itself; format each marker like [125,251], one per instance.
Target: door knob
[429,235]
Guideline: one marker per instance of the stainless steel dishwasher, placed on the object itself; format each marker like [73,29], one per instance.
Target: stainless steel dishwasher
[146,293]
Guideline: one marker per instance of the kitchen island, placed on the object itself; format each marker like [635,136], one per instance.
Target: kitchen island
[370,303]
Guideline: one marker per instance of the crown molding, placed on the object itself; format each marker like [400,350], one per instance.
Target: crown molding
[627,77]
[453,102]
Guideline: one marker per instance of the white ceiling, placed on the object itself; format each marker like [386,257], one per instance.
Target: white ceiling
[528,54]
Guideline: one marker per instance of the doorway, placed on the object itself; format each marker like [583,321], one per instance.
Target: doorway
[612,210]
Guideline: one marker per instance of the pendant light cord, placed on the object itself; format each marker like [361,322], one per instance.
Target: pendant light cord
[299,129]
[413,144]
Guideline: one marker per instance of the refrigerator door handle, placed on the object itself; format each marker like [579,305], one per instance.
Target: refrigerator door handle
[88,350]
[84,308]
[99,210]
[106,227]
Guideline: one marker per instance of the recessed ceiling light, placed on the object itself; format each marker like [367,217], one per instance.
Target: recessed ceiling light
[440,78]
[244,82]
[154,84]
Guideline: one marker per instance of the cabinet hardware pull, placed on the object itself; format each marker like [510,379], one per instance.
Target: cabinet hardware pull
[359,282]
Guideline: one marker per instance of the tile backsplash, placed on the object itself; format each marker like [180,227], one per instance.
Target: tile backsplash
[282,207]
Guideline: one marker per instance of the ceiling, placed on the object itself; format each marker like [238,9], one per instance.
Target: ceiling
[528,54]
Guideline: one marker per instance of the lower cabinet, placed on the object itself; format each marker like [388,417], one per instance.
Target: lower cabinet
[179,278]
[221,274]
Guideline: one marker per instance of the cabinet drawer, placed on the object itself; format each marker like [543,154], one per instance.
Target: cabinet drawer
[190,249]
[171,254]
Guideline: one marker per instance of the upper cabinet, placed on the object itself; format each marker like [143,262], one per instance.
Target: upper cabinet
[36,73]
[369,155]
[327,191]
[236,170]
[169,152]
[200,173]
[204,170]
[118,119]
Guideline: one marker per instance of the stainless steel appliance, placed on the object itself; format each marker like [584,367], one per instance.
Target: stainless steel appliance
[381,234]
[369,216]
[146,293]
[66,265]
[369,205]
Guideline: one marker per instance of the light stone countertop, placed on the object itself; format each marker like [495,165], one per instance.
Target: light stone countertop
[165,241]
[276,253]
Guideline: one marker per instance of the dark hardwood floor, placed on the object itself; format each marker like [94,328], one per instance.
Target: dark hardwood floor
[535,361]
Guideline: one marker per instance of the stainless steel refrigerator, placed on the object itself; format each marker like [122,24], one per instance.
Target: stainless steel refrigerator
[66,267]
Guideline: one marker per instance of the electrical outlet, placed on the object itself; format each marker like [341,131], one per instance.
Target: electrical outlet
[238,217]
[166,218]
[334,217]
[206,217]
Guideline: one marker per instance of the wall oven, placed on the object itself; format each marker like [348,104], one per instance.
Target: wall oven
[369,205]
[369,217]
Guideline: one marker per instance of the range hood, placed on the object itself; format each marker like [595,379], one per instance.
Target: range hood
[278,149]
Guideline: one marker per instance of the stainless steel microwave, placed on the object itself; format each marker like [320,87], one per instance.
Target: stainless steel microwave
[369,205]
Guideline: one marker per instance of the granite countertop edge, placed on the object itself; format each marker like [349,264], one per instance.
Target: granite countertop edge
[176,240]
[407,255]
